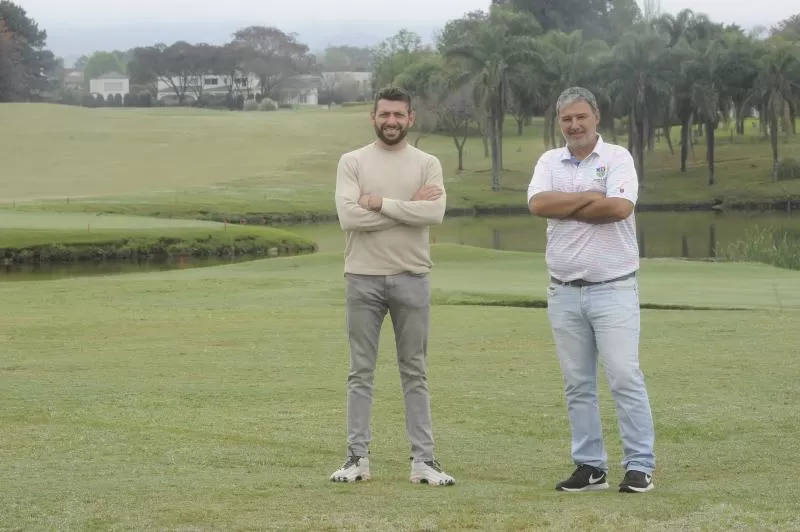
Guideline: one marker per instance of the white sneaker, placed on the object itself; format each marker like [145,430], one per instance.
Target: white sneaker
[430,473]
[356,468]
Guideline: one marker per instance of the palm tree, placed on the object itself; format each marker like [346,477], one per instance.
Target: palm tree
[568,61]
[707,93]
[778,82]
[738,71]
[641,77]
[685,31]
[495,49]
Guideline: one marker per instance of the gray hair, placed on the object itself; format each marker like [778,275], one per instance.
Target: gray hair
[576,94]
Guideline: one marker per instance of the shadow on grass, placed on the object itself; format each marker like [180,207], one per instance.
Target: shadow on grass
[504,300]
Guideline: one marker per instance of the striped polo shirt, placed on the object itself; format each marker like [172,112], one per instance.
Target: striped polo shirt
[579,250]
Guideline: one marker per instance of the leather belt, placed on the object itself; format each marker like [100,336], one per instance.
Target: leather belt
[582,282]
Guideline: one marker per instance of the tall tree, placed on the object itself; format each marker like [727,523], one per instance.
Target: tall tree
[568,61]
[395,54]
[686,31]
[565,15]
[641,75]
[494,48]
[274,56]
[34,63]
[788,29]
[10,66]
[101,63]
[738,70]
[174,65]
[347,59]
[708,95]
[455,110]
[778,82]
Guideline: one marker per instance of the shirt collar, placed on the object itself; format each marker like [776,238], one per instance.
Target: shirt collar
[566,155]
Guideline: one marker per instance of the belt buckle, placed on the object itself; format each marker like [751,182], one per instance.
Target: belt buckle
[575,283]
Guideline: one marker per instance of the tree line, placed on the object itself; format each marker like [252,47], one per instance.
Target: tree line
[273,57]
[25,65]
[650,71]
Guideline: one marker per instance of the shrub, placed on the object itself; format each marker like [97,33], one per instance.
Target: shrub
[788,168]
[768,246]
[69,96]
[251,105]
[145,99]
[267,105]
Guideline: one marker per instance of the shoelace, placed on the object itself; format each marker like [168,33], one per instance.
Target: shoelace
[434,464]
[352,461]
[583,467]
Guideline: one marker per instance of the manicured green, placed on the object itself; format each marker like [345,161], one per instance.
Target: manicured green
[68,237]
[214,398]
[194,163]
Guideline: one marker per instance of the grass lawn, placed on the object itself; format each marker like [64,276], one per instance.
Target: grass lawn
[214,398]
[25,236]
[194,163]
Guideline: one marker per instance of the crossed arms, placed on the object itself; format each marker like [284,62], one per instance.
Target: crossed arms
[593,207]
[366,212]
[589,207]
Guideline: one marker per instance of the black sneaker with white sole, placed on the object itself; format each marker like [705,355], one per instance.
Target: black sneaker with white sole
[636,482]
[585,478]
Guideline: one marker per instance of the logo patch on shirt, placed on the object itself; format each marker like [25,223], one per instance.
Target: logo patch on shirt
[601,171]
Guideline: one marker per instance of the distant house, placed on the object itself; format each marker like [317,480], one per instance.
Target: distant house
[301,90]
[74,78]
[345,86]
[112,84]
[206,86]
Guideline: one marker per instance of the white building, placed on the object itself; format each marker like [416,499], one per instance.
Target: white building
[301,90]
[207,85]
[112,84]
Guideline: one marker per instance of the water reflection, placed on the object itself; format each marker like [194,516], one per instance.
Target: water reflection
[710,252]
[696,235]
[27,272]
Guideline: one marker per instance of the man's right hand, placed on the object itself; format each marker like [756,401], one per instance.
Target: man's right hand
[561,205]
[427,193]
[594,195]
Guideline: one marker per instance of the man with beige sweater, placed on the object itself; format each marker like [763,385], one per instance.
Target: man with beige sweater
[388,193]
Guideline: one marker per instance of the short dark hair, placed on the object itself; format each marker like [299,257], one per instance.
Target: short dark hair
[393,94]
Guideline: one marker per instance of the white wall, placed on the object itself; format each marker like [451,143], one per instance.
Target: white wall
[113,86]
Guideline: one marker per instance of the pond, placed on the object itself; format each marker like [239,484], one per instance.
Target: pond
[27,272]
[696,235]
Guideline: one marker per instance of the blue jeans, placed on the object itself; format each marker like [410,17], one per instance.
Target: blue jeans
[602,320]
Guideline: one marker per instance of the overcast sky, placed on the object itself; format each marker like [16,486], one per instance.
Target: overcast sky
[78,27]
[746,13]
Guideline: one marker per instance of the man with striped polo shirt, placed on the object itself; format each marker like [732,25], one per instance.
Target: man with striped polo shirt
[587,191]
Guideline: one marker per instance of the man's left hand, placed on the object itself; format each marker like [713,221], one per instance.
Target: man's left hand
[371,203]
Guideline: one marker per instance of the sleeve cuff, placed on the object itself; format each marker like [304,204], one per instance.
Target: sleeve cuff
[388,206]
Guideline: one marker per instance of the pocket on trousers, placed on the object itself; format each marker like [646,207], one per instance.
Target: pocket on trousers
[412,290]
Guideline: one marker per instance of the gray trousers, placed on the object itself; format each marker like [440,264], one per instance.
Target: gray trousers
[406,297]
